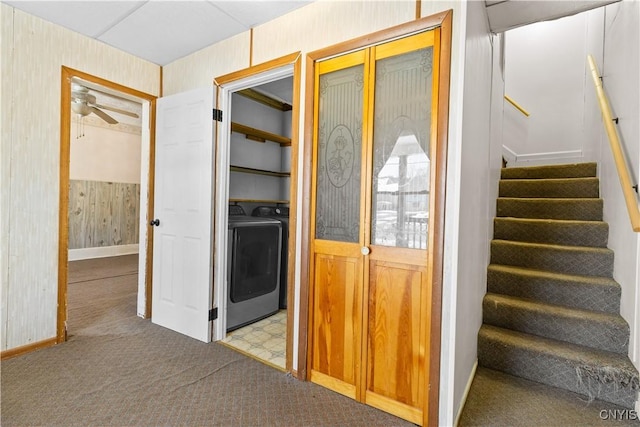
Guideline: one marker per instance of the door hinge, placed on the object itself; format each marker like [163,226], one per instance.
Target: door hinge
[213,314]
[217,115]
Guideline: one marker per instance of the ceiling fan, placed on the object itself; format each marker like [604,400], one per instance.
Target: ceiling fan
[84,103]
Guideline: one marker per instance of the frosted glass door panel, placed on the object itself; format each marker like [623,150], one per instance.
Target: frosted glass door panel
[401,164]
[339,155]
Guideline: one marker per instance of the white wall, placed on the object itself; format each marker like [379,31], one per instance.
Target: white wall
[105,154]
[476,208]
[621,83]
[33,52]
[546,72]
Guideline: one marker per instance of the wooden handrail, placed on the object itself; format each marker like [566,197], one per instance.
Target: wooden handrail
[618,154]
[518,106]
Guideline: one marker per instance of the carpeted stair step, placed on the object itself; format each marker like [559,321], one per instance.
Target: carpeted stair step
[603,331]
[558,232]
[550,188]
[577,291]
[594,373]
[550,208]
[577,170]
[558,258]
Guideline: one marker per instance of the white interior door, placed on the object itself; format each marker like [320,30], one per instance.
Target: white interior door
[182,209]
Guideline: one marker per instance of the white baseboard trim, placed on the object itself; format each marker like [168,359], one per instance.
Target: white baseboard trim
[102,252]
[509,155]
[466,392]
[514,157]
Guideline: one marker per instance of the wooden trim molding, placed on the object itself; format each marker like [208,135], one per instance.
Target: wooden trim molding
[65,148]
[431,411]
[257,69]
[402,30]
[250,47]
[63,216]
[293,219]
[7,354]
[443,21]
[305,219]
[150,212]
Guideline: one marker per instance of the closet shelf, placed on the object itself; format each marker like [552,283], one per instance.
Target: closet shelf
[260,135]
[272,201]
[259,171]
[265,99]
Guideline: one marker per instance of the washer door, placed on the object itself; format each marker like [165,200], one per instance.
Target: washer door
[255,265]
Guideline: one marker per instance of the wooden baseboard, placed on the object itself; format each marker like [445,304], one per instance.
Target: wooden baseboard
[7,354]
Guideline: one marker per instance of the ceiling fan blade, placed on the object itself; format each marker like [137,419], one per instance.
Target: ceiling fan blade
[117,110]
[104,116]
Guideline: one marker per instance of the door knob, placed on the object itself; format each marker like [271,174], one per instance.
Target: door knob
[365,250]
[155,222]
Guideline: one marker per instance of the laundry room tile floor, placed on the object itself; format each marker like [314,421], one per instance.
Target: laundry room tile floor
[264,340]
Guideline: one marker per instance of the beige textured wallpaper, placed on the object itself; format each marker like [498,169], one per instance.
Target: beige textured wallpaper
[33,53]
[6,59]
[199,69]
[325,23]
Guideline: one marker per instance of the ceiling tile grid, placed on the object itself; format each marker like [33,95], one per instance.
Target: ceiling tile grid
[159,31]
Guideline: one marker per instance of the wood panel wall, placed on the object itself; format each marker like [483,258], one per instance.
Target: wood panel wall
[103,214]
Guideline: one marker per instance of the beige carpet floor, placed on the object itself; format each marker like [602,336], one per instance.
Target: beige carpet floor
[500,400]
[120,370]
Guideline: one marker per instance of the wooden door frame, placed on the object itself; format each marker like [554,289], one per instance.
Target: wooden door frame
[293,60]
[443,21]
[63,217]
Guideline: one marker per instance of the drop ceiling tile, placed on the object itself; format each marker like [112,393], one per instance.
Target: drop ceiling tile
[85,17]
[162,32]
[254,12]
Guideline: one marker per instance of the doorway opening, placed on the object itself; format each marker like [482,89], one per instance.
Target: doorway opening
[255,211]
[104,200]
[259,182]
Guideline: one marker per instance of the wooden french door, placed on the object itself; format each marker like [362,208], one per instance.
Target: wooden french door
[374,144]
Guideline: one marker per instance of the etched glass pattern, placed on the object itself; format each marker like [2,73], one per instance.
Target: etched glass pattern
[339,155]
[401,164]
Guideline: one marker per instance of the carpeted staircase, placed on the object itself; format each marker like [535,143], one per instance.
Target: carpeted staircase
[551,312]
